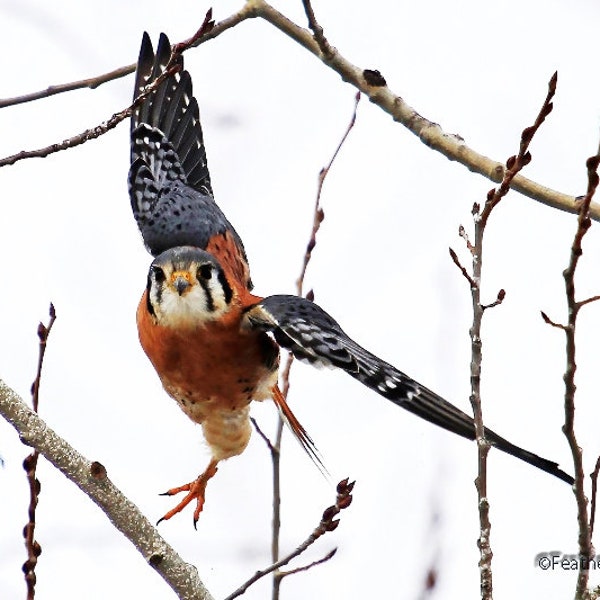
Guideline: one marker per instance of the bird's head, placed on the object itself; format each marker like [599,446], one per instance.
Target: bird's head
[187,287]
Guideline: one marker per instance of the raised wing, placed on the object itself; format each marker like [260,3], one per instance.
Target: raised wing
[312,335]
[169,183]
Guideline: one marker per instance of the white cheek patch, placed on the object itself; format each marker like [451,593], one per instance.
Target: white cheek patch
[189,310]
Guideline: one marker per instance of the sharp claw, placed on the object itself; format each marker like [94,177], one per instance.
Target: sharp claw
[195,490]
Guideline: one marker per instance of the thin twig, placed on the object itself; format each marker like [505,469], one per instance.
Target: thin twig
[52,90]
[309,566]
[588,301]
[549,321]
[594,478]
[586,549]
[499,300]
[94,82]
[481,215]
[462,269]
[263,435]
[463,234]
[318,216]
[327,523]
[30,465]
[317,29]
[95,132]
[429,132]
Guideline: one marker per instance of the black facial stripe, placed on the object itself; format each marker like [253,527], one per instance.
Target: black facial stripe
[159,274]
[148,301]
[210,305]
[205,272]
[227,292]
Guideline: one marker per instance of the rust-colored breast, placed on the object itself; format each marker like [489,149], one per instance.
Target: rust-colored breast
[217,366]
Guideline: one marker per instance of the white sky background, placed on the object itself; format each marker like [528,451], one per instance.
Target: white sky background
[272,116]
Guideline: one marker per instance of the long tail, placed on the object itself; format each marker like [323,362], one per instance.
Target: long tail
[299,432]
[431,407]
[314,336]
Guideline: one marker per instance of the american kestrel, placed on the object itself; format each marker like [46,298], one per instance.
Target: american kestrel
[214,344]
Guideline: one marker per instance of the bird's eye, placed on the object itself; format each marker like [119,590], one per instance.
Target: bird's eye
[205,272]
[159,274]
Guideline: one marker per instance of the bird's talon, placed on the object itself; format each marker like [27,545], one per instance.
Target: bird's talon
[195,490]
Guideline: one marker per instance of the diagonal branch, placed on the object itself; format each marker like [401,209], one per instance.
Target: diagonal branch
[327,524]
[95,132]
[430,133]
[94,82]
[91,478]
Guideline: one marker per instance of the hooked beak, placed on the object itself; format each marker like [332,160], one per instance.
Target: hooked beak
[181,282]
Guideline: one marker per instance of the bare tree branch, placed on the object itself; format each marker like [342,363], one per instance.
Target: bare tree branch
[431,134]
[317,30]
[586,549]
[368,81]
[481,215]
[309,566]
[327,523]
[594,478]
[91,478]
[95,132]
[275,447]
[98,80]
[91,82]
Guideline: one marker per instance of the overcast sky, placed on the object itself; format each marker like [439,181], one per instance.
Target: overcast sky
[272,116]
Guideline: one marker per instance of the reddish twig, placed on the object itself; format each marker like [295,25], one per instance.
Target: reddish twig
[588,301]
[499,300]
[462,269]
[317,30]
[594,478]
[52,90]
[584,222]
[463,234]
[481,215]
[314,563]
[515,163]
[327,523]
[30,465]
[318,216]
[207,26]
[263,435]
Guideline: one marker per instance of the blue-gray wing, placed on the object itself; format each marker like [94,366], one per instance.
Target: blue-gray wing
[169,182]
[314,336]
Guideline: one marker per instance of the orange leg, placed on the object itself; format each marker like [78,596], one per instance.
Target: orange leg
[195,490]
